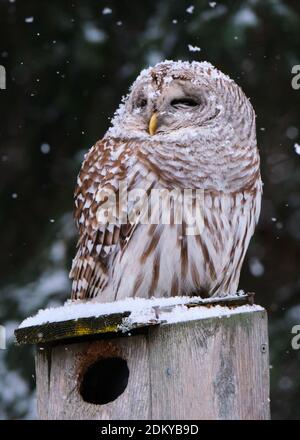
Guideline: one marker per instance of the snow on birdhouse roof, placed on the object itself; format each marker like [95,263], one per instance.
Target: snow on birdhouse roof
[161,310]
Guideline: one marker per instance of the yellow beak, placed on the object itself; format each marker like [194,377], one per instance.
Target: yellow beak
[153,124]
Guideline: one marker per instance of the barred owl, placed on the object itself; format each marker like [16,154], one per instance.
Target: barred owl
[182,126]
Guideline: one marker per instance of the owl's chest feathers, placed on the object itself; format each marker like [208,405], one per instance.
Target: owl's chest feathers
[168,262]
[180,166]
[191,168]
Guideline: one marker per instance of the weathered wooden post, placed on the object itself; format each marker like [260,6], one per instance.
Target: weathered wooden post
[199,360]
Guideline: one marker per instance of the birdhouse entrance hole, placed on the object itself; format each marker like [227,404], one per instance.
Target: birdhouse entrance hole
[104,380]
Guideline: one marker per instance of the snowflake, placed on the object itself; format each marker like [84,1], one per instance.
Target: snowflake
[193,48]
[45,148]
[107,11]
[297,148]
[190,9]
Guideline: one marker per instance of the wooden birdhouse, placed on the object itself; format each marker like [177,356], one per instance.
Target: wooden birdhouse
[175,358]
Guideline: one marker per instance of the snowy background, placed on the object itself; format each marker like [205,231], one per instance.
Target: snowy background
[68,64]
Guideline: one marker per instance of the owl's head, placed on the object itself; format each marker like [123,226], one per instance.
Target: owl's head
[180,101]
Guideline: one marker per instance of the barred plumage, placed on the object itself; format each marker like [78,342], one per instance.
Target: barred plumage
[204,140]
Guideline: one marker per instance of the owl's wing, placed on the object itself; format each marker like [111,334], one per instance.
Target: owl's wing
[109,162]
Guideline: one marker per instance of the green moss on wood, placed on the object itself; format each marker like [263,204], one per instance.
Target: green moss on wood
[54,331]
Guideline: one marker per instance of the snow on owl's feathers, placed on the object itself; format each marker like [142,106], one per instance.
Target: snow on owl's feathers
[202,135]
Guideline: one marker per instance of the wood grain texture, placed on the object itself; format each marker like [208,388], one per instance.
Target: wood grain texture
[59,373]
[216,368]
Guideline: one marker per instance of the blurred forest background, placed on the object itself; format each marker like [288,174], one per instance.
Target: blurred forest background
[68,64]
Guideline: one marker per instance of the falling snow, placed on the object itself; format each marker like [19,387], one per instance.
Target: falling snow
[92,34]
[256,267]
[190,9]
[45,148]
[107,11]
[193,48]
[292,132]
[297,148]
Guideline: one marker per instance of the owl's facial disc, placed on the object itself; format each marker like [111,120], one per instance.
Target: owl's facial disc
[178,104]
[187,104]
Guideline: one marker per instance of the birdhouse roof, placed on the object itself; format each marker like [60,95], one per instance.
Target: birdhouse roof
[78,319]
